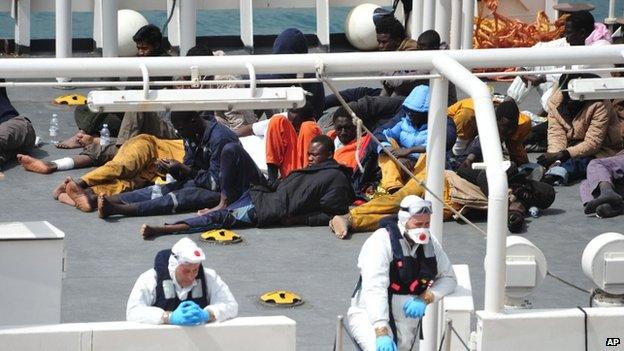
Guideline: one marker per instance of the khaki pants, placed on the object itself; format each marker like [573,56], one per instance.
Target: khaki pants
[366,217]
[133,166]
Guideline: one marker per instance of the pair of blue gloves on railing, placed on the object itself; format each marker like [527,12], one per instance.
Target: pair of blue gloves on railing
[189,313]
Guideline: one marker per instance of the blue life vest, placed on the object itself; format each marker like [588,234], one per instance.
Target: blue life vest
[169,300]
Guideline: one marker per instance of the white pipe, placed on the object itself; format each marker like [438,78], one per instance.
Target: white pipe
[284,81]
[496,176]
[333,63]
[252,78]
[468,11]
[611,18]
[322,23]
[416,21]
[97,23]
[443,19]
[436,156]
[109,28]
[428,15]
[63,26]
[187,16]
[456,24]
[173,28]
[246,24]
[145,74]
[22,24]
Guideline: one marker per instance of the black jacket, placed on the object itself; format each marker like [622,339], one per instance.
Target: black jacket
[310,196]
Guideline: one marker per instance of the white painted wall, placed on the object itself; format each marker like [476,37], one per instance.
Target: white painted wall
[31,260]
[276,333]
[550,329]
[459,307]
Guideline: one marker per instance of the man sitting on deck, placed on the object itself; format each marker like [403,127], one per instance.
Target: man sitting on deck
[180,291]
[308,196]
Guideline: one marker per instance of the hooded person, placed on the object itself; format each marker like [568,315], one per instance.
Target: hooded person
[179,290]
[402,270]
[406,137]
[293,41]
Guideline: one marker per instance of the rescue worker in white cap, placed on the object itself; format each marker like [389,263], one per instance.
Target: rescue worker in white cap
[402,270]
[180,291]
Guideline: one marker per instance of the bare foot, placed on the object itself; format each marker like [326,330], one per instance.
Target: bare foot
[203,211]
[64,198]
[71,143]
[34,165]
[149,232]
[86,139]
[80,196]
[61,188]
[103,207]
[339,225]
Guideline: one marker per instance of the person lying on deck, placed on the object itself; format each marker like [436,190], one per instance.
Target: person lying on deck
[307,196]
[134,166]
[215,172]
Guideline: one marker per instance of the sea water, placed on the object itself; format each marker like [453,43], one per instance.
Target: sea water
[226,22]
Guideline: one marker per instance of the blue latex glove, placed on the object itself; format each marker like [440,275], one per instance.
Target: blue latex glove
[186,314]
[414,308]
[385,343]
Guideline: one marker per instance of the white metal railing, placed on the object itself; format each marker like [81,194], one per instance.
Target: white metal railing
[452,18]
[451,65]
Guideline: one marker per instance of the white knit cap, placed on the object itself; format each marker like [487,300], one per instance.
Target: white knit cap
[187,251]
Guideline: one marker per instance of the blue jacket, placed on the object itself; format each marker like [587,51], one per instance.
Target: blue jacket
[205,158]
[407,135]
[397,120]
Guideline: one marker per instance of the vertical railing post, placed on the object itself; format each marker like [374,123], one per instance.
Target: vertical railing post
[97,23]
[21,14]
[428,18]
[416,23]
[443,19]
[63,33]
[187,15]
[611,17]
[246,24]
[468,11]
[109,28]
[322,23]
[173,28]
[436,156]
[456,24]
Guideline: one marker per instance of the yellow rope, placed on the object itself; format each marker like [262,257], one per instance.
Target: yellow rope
[358,122]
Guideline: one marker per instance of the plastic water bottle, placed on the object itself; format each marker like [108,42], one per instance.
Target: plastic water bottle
[534,212]
[104,135]
[156,192]
[54,129]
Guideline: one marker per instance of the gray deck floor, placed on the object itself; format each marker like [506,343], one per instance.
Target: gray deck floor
[106,256]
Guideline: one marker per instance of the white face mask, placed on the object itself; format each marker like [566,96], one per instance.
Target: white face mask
[418,235]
